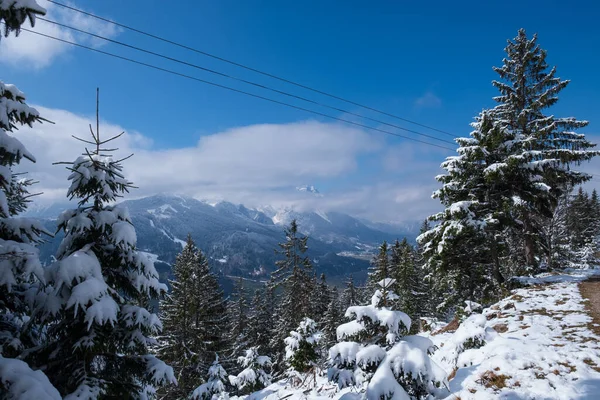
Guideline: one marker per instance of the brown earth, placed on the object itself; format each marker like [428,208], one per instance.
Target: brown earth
[590,290]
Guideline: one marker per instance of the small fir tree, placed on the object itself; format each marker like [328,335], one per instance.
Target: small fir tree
[255,374]
[98,328]
[331,319]
[301,348]
[372,354]
[214,388]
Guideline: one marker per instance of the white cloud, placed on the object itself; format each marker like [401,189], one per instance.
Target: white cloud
[30,50]
[428,100]
[259,164]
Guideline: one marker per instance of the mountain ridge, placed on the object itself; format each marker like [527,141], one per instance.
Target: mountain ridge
[241,241]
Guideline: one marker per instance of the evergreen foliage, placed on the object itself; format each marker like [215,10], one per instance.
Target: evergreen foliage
[295,277]
[20,267]
[374,355]
[98,326]
[193,317]
[255,374]
[463,250]
[407,281]
[350,295]
[301,347]
[238,321]
[380,267]
[321,298]
[214,388]
[506,184]
[542,149]
[260,322]
[14,13]
[331,319]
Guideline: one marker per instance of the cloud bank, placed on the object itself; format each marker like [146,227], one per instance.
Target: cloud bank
[255,165]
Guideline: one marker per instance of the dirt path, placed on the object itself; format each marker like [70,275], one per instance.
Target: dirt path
[590,290]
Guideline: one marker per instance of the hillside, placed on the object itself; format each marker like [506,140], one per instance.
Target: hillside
[539,343]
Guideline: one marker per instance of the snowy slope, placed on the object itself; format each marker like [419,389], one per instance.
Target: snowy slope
[538,346]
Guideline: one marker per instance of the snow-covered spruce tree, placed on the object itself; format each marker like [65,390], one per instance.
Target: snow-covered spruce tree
[350,295]
[582,229]
[429,297]
[554,236]
[193,317]
[321,298]
[379,268]
[14,13]
[331,319]
[295,277]
[98,329]
[214,387]
[237,335]
[374,355]
[463,250]
[260,322]
[301,349]
[542,149]
[19,259]
[255,374]
[408,282]
[20,267]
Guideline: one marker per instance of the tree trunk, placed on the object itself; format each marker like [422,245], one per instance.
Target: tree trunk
[529,243]
[496,272]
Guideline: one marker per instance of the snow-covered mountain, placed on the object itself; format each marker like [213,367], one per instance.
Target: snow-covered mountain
[240,241]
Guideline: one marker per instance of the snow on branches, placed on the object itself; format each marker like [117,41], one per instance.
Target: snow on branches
[374,355]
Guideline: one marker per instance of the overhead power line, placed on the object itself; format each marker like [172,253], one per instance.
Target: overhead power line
[234,89]
[248,68]
[212,71]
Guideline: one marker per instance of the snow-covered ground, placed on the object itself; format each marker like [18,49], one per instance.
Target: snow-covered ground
[538,345]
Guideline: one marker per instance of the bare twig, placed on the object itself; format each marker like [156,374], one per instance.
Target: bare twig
[83,140]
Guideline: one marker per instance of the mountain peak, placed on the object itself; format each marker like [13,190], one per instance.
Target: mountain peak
[308,189]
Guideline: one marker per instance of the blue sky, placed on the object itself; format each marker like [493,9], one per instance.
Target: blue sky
[429,62]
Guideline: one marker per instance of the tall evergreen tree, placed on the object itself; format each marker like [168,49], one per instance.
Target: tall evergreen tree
[260,322]
[380,267]
[408,282]
[20,267]
[98,326]
[295,277]
[238,336]
[463,250]
[192,315]
[542,148]
[350,295]
[331,319]
[321,298]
